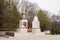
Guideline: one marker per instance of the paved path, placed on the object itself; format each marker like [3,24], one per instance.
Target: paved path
[32,36]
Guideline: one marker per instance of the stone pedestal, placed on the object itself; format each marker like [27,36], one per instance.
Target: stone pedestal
[36,30]
[23,26]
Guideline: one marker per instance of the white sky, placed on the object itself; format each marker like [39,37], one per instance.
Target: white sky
[50,5]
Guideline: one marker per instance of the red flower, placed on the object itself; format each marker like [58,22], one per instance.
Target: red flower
[24,23]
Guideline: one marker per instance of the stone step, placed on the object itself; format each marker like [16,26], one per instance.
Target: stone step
[36,30]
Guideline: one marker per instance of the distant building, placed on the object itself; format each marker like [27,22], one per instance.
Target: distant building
[56,23]
[55,18]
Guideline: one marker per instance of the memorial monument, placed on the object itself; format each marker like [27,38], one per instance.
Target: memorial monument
[36,25]
[23,25]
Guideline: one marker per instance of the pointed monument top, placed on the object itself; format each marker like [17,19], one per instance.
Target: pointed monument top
[35,18]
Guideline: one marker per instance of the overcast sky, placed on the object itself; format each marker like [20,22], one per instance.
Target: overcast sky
[50,5]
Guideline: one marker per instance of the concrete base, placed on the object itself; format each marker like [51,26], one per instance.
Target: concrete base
[23,30]
[37,31]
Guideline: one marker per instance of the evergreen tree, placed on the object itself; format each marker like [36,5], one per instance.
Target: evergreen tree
[10,17]
[44,20]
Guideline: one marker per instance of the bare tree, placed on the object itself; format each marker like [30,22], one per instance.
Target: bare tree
[27,8]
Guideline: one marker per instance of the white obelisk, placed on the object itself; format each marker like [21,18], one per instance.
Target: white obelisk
[36,25]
